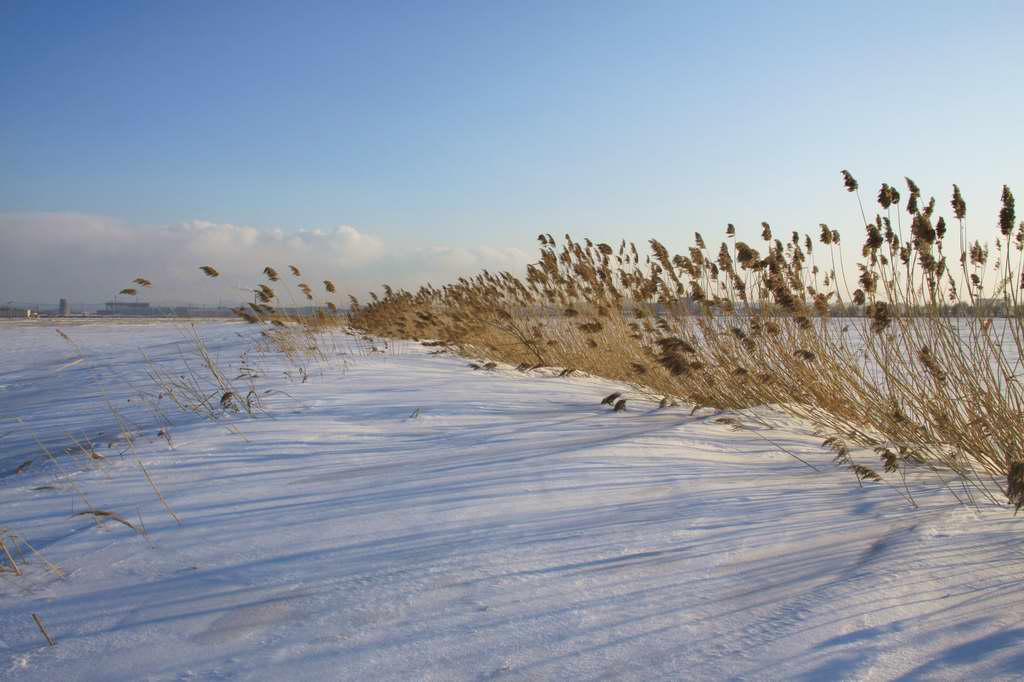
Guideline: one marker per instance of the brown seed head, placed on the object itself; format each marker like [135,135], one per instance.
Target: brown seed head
[848,181]
[958,203]
[1007,215]
[885,196]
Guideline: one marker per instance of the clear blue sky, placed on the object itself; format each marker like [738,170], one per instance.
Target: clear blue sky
[486,123]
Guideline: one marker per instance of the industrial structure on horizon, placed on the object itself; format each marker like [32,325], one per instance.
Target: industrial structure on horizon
[29,311]
[10,312]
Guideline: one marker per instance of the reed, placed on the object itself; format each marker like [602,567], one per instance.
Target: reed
[916,363]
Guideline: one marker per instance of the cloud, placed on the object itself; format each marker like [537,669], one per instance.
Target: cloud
[86,258]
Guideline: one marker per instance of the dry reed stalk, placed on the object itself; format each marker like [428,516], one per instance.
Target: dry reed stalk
[123,425]
[100,514]
[50,566]
[60,468]
[10,559]
[42,628]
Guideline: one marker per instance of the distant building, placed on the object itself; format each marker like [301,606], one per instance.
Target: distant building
[126,308]
[10,313]
[63,309]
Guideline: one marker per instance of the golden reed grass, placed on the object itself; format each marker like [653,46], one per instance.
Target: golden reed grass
[916,363]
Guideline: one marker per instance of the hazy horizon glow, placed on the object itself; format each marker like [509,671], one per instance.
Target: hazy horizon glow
[151,139]
[97,256]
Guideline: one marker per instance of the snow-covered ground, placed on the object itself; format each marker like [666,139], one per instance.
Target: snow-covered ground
[402,516]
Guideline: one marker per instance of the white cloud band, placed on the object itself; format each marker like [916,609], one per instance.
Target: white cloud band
[87,258]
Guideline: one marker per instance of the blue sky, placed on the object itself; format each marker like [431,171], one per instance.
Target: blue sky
[466,125]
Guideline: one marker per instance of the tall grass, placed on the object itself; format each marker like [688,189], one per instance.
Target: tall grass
[910,351]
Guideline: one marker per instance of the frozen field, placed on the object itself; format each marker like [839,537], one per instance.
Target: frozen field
[402,516]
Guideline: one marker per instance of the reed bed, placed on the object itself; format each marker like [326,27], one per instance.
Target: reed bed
[905,356]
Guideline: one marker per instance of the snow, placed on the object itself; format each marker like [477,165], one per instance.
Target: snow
[401,516]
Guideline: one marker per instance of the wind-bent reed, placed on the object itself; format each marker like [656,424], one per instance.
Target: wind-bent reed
[917,363]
